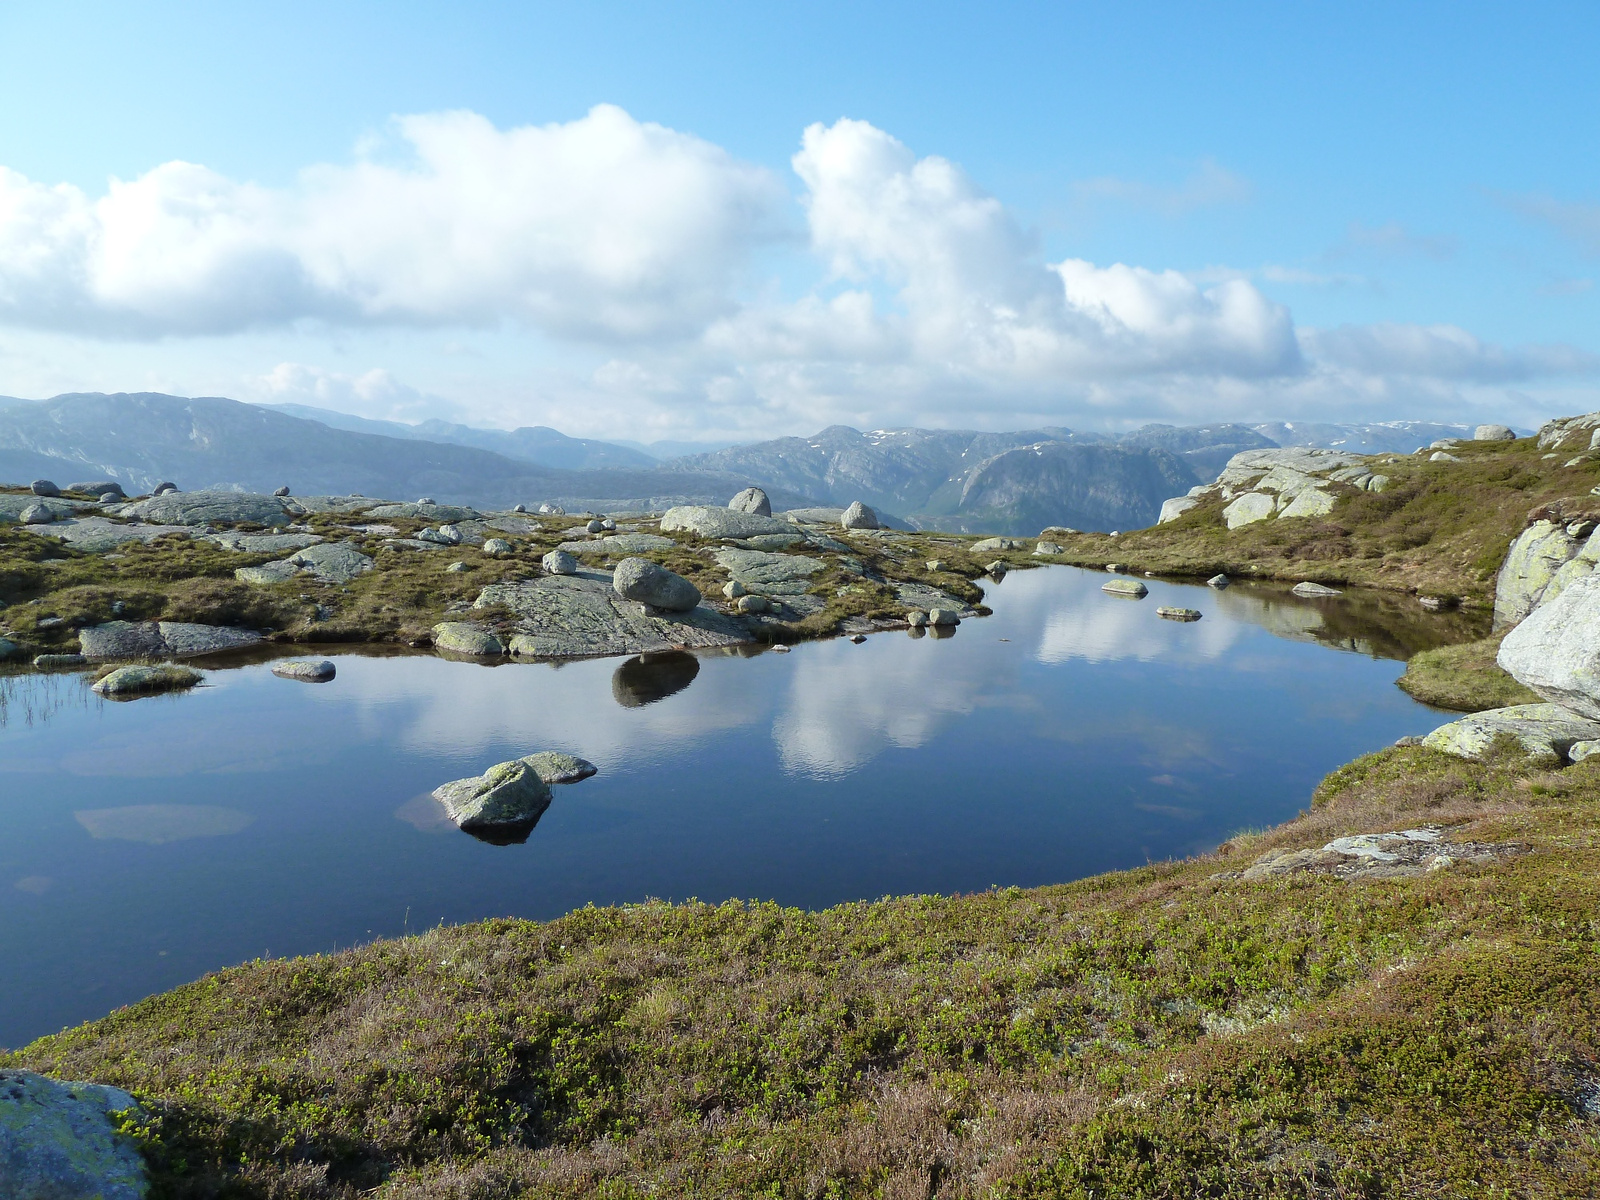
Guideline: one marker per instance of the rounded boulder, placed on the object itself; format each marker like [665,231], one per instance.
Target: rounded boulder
[651,583]
[753,501]
[859,516]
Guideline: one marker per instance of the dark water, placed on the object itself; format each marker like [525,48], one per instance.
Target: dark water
[144,843]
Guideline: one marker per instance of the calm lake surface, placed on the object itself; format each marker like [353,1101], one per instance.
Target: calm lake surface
[145,843]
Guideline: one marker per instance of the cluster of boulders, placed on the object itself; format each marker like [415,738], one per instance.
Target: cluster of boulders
[1293,481]
[506,801]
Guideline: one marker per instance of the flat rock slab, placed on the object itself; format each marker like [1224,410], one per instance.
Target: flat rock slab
[1405,854]
[332,562]
[160,639]
[202,508]
[814,516]
[57,1140]
[634,543]
[12,507]
[301,505]
[273,572]
[1546,732]
[262,543]
[305,670]
[424,512]
[514,523]
[95,535]
[711,522]
[1130,589]
[579,616]
[768,574]
[920,595]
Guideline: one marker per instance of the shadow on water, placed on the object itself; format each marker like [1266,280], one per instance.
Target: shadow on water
[650,677]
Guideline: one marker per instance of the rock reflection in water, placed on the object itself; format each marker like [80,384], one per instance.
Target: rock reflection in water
[647,678]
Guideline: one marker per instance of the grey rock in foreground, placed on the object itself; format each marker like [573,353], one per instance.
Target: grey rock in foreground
[554,767]
[508,796]
[1545,732]
[1556,649]
[306,670]
[578,616]
[57,1141]
[1544,559]
[753,501]
[1401,855]
[160,639]
[466,637]
[201,508]
[145,681]
[559,562]
[859,516]
[651,583]
[94,535]
[711,522]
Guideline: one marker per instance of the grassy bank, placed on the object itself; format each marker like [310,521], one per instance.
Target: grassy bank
[1170,1031]
[1439,528]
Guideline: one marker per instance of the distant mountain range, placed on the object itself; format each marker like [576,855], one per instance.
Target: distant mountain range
[964,480]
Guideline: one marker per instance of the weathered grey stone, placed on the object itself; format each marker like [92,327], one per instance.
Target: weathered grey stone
[753,604]
[753,501]
[140,680]
[1579,751]
[332,562]
[160,639]
[281,492]
[1174,508]
[559,562]
[1220,582]
[1249,508]
[1313,591]
[1131,589]
[424,512]
[1556,649]
[635,543]
[554,767]
[47,661]
[302,505]
[1493,433]
[1542,562]
[497,548]
[305,670]
[267,573]
[1293,461]
[58,1141]
[37,514]
[595,526]
[769,574]
[1544,731]
[165,488]
[43,487]
[12,506]
[259,543]
[916,618]
[457,568]
[944,618]
[97,487]
[711,522]
[920,595]
[466,637]
[1372,856]
[508,795]
[1312,502]
[990,545]
[576,616]
[858,516]
[1442,456]
[201,508]
[111,497]
[1178,614]
[650,583]
[1041,548]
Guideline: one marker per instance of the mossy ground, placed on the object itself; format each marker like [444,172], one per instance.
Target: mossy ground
[1171,1031]
[1465,678]
[1438,529]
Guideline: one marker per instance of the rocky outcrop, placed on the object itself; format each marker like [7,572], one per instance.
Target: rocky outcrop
[650,583]
[12,507]
[708,522]
[95,535]
[160,639]
[507,798]
[769,574]
[1556,649]
[1571,433]
[1545,732]
[1286,482]
[1545,558]
[58,1141]
[466,637]
[1249,508]
[1400,855]
[202,508]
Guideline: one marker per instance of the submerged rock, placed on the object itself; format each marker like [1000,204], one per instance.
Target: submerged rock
[1312,590]
[1545,732]
[753,501]
[651,583]
[508,796]
[1178,614]
[138,680]
[58,1141]
[466,637]
[306,670]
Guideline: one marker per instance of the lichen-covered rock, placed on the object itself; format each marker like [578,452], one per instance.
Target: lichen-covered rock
[1311,502]
[858,516]
[753,501]
[768,574]
[1046,548]
[497,547]
[160,639]
[1172,613]
[332,562]
[1542,562]
[58,1141]
[1313,591]
[1556,649]
[1401,855]
[554,767]
[650,583]
[1249,508]
[1544,731]
[576,616]
[144,681]
[1174,508]
[466,637]
[559,562]
[709,522]
[201,508]
[37,514]
[1130,589]
[305,670]
[267,573]
[508,795]
[944,618]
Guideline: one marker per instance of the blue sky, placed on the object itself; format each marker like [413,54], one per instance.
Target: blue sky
[1277,211]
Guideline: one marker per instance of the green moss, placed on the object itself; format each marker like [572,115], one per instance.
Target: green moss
[1465,678]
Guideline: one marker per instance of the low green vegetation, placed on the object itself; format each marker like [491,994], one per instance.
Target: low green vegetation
[1169,1031]
[1465,678]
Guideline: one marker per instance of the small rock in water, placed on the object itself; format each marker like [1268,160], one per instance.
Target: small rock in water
[997,569]
[780,649]
[651,583]
[1113,567]
[944,618]
[554,767]
[1219,582]
[463,637]
[306,670]
[136,681]
[1313,590]
[1129,589]
[1178,614]
[506,797]
[858,638]
[43,487]
[283,491]
[859,516]
[497,547]
[559,562]
[916,618]
[753,501]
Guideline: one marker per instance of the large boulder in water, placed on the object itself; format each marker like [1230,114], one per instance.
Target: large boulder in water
[58,1140]
[1556,649]
[506,797]
[651,583]
[753,501]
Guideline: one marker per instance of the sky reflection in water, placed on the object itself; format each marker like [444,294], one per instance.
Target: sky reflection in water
[143,844]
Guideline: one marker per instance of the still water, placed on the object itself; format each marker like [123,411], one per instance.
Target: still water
[145,843]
